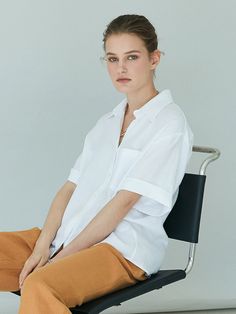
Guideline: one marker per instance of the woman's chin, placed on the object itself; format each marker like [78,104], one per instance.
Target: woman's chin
[123,89]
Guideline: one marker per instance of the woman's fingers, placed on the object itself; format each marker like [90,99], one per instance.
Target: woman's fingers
[42,262]
[28,267]
[24,273]
[37,259]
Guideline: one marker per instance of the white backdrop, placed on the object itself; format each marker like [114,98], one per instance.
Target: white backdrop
[53,88]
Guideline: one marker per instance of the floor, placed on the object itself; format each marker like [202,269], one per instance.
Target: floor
[228,311]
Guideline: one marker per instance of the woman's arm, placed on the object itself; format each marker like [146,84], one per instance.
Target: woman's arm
[41,252]
[55,214]
[102,224]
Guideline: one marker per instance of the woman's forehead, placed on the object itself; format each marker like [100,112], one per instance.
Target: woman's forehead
[123,43]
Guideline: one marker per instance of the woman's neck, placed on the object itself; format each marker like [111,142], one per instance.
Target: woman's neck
[139,98]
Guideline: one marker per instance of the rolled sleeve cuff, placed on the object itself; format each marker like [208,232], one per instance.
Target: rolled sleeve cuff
[74,176]
[147,189]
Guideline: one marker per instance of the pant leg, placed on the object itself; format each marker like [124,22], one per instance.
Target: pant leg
[76,279]
[15,248]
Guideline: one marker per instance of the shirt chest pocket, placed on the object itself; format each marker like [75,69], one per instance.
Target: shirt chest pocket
[124,161]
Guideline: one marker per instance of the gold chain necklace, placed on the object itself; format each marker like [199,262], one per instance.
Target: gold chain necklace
[123,133]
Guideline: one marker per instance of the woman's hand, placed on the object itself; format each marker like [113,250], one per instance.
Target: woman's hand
[37,259]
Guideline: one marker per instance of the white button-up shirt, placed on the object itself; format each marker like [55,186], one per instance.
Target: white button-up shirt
[151,160]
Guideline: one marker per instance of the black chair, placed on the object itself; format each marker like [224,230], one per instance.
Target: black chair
[182,224]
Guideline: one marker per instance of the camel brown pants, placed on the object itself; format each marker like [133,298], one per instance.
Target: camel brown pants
[67,282]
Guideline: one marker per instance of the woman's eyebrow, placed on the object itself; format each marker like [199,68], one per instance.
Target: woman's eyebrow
[131,51]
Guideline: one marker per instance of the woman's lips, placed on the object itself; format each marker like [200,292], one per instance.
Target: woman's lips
[125,80]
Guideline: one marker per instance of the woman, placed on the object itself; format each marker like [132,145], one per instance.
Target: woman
[104,230]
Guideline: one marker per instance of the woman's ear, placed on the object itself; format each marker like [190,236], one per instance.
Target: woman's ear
[155,58]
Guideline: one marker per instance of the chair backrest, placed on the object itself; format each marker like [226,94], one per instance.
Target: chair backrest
[184,219]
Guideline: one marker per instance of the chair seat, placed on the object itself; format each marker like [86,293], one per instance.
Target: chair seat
[155,281]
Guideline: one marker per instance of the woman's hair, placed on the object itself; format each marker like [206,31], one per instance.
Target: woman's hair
[133,24]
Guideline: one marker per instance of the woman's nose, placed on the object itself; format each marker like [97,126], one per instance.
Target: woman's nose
[122,66]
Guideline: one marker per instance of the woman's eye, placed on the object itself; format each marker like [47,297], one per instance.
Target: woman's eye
[132,57]
[112,59]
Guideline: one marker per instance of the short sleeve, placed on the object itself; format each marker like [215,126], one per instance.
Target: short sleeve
[75,171]
[87,153]
[160,170]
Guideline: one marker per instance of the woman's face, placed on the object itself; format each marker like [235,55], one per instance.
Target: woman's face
[128,59]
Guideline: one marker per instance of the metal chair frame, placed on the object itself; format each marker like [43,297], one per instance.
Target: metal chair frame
[163,277]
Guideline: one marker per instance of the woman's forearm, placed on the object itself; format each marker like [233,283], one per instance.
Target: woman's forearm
[102,224]
[55,214]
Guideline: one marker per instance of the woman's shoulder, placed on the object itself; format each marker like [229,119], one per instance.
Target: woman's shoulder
[172,119]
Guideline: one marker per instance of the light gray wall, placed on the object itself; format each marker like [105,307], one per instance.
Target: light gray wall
[53,88]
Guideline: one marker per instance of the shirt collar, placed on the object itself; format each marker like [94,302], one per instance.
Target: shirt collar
[149,109]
